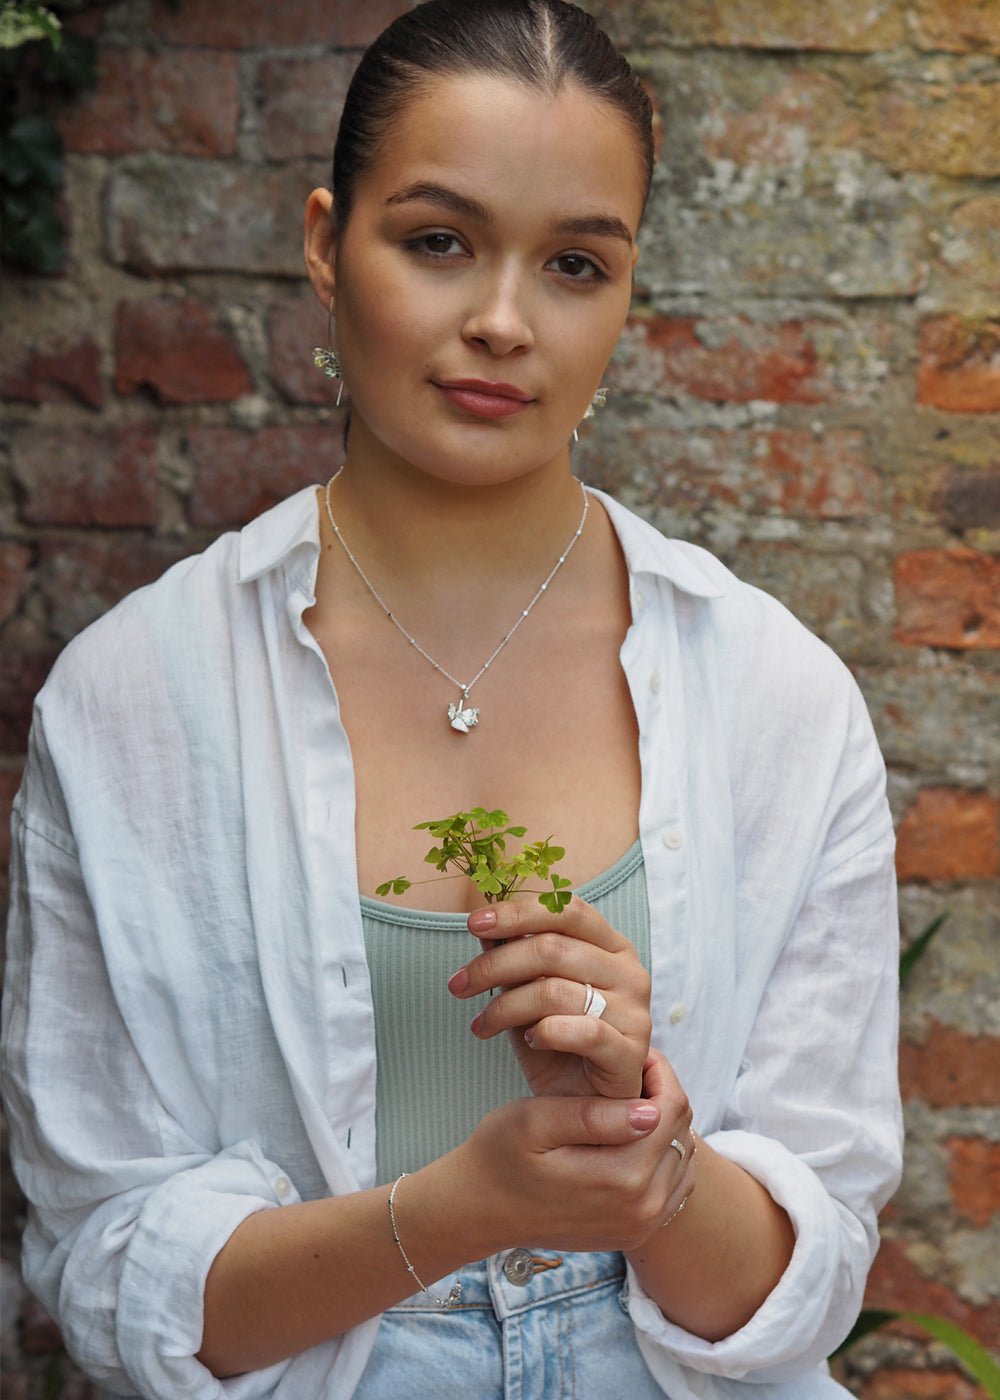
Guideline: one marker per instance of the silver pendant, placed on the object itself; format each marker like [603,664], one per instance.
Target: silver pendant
[463,719]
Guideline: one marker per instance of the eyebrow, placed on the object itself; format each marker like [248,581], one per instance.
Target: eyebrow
[592,225]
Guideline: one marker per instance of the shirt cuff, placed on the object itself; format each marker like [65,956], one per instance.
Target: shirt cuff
[815,1301]
[181,1228]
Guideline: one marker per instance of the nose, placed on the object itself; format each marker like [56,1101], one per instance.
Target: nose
[498,319]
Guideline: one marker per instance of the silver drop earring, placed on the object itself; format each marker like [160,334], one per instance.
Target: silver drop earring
[328,360]
[598,401]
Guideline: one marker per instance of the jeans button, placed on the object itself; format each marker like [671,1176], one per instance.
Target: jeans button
[519,1267]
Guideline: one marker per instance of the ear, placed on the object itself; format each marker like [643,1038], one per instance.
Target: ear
[320,243]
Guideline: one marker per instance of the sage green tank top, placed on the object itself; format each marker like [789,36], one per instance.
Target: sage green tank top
[435,1079]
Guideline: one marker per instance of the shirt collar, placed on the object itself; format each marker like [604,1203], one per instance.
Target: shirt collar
[293,527]
[289,528]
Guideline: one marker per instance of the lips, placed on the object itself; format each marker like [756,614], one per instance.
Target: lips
[484,398]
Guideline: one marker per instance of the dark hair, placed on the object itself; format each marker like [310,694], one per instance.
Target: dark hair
[541,43]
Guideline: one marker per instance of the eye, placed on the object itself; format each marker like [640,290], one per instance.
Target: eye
[436,245]
[577,268]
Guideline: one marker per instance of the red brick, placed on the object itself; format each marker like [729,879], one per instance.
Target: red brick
[15,560]
[298,324]
[974,1176]
[87,476]
[896,1282]
[173,348]
[254,24]
[183,101]
[956,26]
[969,500]
[81,579]
[904,1383]
[948,598]
[941,128]
[9,784]
[65,371]
[239,474]
[22,674]
[960,365]
[301,100]
[949,834]
[951,1070]
[731,361]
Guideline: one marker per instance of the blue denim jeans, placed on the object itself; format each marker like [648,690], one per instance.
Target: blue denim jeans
[531,1325]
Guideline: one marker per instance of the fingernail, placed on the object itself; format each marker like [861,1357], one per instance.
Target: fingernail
[529,1036]
[476,1023]
[643,1117]
[482,920]
[458,981]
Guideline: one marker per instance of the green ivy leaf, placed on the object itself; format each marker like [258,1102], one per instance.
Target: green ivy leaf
[33,151]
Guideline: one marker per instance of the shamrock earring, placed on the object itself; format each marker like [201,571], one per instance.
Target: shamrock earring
[328,360]
[598,401]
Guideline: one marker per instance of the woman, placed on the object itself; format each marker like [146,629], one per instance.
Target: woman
[225,767]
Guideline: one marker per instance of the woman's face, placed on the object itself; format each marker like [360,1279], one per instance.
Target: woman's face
[484,275]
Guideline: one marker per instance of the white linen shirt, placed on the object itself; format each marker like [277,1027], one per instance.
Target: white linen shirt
[189,1034]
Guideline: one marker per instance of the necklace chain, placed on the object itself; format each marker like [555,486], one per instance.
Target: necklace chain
[462,716]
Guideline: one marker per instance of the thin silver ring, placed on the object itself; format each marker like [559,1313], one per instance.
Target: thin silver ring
[595,1005]
[680,1147]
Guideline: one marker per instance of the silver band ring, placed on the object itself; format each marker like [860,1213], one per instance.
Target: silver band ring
[595,1005]
[680,1147]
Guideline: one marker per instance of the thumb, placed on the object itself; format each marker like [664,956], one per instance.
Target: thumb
[596,1121]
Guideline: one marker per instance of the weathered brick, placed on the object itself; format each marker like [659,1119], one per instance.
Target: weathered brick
[905,1383]
[183,101]
[295,326]
[925,717]
[240,474]
[946,128]
[896,1281]
[951,1069]
[948,598]
[81,579]
[255,24]
[949,834]
[22,673]
[970,500]
[969,247]
[10,781]
[173,348]
[960,364]
[87,476]
[851,25]
[62,371]
[974,1176]
[301,100]
[956,26]
[801,111]
[15,560]
[39,1332]
[170,214]
[726,360]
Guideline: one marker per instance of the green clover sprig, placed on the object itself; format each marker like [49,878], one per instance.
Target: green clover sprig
[474,844]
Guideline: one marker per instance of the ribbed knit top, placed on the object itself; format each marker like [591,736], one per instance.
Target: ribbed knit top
[435,1079]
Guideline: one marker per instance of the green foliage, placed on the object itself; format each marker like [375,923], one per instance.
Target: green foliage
[910,956]
[40,67]
[474,844]
[976,1360]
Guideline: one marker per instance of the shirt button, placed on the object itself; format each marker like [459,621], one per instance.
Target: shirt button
[640,601]
[673,838]
[282,1186]
[519,1267]
[677,1013]
[654,682]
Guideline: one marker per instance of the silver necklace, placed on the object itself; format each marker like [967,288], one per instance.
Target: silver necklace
[461,716]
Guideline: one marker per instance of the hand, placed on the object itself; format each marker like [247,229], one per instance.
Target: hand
[572,1173]
[543,963]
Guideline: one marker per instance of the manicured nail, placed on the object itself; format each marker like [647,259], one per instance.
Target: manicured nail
[482,920]
[643,1117]
[529,1037]
[475,1024]
[458,981]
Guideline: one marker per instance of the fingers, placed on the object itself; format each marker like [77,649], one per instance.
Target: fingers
[521,918]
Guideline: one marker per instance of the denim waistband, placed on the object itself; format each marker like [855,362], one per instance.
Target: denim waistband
[515,1280]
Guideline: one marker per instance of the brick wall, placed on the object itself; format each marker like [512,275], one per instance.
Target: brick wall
[809,385]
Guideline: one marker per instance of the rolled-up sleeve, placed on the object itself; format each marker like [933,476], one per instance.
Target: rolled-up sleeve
[815,1117]
[128,1209]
